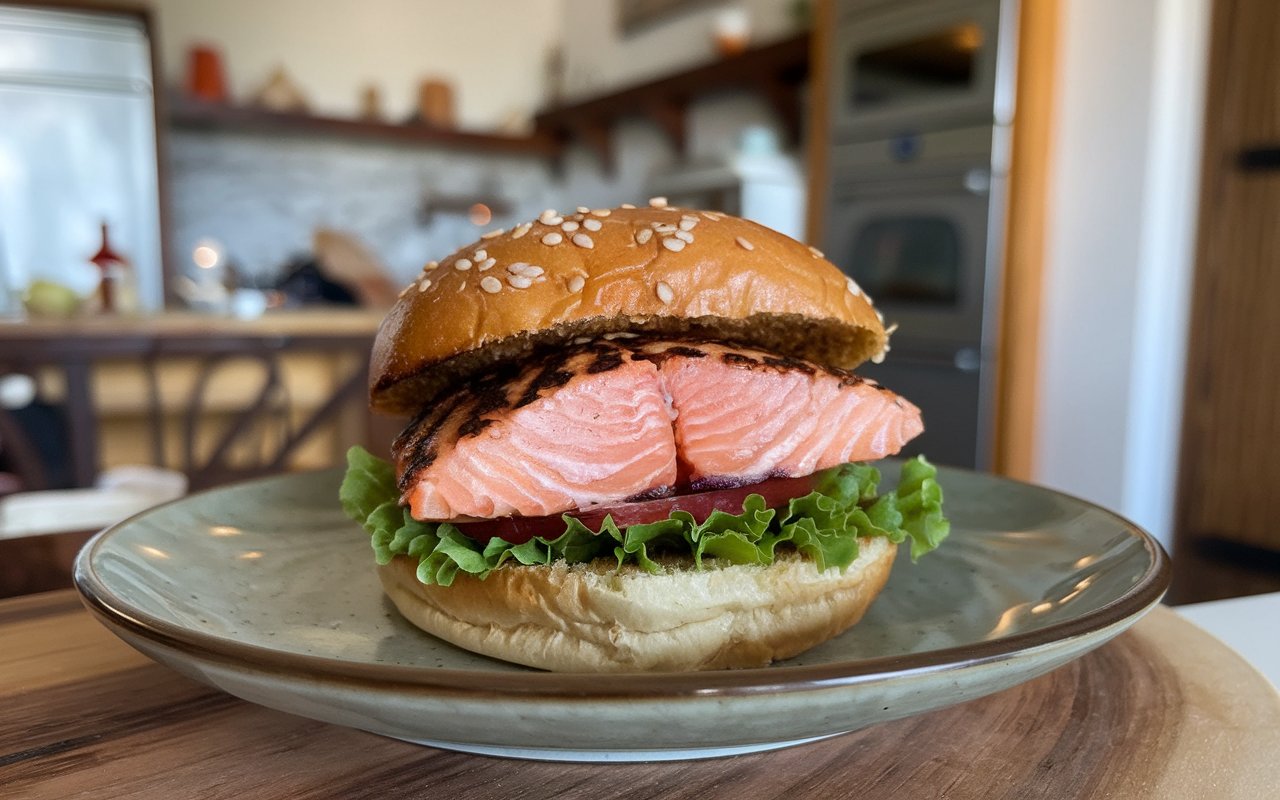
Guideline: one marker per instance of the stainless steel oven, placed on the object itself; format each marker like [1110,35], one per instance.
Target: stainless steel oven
[920,240]
[919,247]
[916,200]
[903,66]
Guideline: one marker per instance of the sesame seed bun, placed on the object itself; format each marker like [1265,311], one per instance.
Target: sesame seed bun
[590,618]
[666,270]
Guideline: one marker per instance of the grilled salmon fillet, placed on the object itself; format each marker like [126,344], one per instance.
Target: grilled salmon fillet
[627,418]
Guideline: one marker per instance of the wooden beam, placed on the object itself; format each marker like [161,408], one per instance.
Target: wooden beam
[777,71]
[670,116]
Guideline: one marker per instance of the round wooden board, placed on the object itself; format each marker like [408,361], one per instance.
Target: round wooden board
[1163,711]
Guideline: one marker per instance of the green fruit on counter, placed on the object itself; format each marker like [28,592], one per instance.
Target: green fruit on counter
[49,299]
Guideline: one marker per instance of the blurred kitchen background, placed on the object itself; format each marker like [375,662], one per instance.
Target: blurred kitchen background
[1066,205]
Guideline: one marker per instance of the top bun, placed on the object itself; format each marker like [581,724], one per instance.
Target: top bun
[665,270]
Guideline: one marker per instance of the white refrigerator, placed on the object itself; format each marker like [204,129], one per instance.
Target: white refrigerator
[77,149]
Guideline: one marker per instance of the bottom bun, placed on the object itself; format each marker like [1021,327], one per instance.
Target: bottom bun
[593,618]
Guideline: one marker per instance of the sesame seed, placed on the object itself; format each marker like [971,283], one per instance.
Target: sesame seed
[583,240]
[553,238]
[854,288]
[601,212]
[592,224]
[576,283]
[815,252]
[405,290]
[487,264]
[479,256]
[548,214]
[626,205]
[673,244]
[664,292]
[890,330]
[744,244]
[658,202]
[491,284]
[462,287]
[664,229]
[540,279]
[878,358]
[569,227]
[493,233]
[711,216]
[517,268]
[643,236]
[430,266]
[687,223]
[583,209]
[462,264]
[521,230]
[531,270]
[520,281]
[684,236]
[553,221]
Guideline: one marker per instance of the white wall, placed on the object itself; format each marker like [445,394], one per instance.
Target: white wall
[1120,252]
[492,51]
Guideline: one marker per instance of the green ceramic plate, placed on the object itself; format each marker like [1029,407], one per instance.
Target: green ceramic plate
[267,591]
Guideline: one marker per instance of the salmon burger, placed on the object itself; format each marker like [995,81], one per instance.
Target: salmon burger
[637,443]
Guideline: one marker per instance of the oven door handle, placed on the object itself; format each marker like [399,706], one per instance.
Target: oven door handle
[964,359]
[975,181]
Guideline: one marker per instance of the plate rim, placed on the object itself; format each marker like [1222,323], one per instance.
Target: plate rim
[535,684]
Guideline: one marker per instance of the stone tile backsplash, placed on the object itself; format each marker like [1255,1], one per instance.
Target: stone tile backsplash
[262,196]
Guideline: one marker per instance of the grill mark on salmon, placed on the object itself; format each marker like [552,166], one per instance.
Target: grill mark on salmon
[686,352]
[605,360]
[420,438]
[786,362]
[551,376]
[636,419]
[738,360]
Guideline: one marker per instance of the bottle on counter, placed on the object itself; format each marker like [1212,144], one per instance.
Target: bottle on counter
[118,286]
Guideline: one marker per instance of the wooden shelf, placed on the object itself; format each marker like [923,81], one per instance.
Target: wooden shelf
[777,71]
[212,116]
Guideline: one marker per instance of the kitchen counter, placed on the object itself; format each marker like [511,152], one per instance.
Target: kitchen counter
[311,322]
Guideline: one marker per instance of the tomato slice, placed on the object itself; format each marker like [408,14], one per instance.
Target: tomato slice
[518,530]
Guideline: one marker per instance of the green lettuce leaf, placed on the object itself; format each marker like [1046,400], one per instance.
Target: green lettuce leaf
[824,526]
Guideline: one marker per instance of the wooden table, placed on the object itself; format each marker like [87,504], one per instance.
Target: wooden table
[1164,711]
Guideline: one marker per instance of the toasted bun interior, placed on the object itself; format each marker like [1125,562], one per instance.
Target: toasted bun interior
[675,272]
[589,618]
